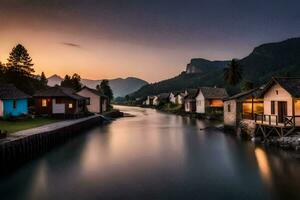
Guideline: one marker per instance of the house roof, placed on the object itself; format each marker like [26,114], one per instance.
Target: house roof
[94,91]
[9,91]
[290,84]
[213,92]
[59,91]
[192,93]
[253,92]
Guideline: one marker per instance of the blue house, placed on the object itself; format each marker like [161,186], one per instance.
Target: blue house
[13,102]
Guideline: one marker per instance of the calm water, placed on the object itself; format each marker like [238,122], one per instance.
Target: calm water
[156,156]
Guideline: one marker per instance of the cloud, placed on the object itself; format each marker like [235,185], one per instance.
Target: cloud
[69,44]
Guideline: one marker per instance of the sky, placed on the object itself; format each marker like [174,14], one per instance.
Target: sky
[149,39]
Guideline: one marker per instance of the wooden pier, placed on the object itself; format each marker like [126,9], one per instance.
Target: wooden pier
[272,125]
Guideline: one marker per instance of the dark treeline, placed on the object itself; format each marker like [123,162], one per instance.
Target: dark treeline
[19,71]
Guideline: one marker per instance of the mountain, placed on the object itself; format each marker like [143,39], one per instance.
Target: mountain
[265,61]
[200,65]
[120,86]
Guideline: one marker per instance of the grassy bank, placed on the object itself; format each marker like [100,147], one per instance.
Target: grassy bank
[22,124]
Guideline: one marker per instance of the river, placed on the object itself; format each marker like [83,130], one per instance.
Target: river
[156,156]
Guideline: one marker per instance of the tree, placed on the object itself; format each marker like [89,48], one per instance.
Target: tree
[43,80]
[246,85]
[233,73]
[67,82]
[20,62]
[76,82]
[105,89]
[72,82]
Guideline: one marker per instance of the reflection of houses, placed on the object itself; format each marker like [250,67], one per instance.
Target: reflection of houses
[242,106]
[59,101]
[210,99]
[190,100]
[281,107]
[13,102]
[96,102]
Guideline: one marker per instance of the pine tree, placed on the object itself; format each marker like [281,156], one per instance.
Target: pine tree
[43,80]
[72,82]
[105,89]
[20,62]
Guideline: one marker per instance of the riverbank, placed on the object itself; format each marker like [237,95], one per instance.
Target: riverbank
[26,145]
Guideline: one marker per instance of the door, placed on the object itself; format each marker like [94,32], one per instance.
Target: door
[282,111]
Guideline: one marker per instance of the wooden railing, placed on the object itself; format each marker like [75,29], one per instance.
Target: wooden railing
[287,121]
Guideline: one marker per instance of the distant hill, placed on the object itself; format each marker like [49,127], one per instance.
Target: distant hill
[200,65]
[265,61]
[120,86]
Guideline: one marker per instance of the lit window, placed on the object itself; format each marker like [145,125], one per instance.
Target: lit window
[44,102]
[70,105]
[14,104]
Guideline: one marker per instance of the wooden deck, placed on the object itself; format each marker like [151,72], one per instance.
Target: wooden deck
[270,125]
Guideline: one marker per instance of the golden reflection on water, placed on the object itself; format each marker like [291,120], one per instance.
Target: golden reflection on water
[264,166]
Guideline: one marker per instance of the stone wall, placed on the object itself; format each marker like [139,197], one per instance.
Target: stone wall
[247,127]
[15,152]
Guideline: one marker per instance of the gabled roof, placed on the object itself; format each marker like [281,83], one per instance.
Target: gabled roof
[290,84]
[9,91]
[58,91]
[213,92]
[243,95]
[94,91]
[192,93]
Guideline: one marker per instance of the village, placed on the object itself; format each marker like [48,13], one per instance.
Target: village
[270,113]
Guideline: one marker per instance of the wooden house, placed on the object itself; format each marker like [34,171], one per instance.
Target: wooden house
[210,99]
[281,113]
[59,101]
[244,105]
[95,101]
[13,102]
[190,100]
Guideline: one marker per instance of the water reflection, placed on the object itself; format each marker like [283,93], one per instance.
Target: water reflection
[263,165]
[156,156]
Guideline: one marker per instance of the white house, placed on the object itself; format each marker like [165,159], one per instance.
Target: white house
[190,100]
[149,100]
[96,102]
[281,98]
[177,97]
[242,106]
[210,99]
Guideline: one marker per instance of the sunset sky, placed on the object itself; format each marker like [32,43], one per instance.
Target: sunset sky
[152,39]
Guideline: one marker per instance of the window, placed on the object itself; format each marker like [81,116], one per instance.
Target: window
[44,102]
[228,108]
[15,104]
[70,105]
[88,101]
[276,92]
[272,107]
